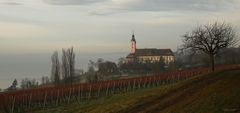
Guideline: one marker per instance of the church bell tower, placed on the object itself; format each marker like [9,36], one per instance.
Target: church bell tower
[133,44]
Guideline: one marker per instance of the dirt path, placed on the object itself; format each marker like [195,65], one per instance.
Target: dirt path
[175,96]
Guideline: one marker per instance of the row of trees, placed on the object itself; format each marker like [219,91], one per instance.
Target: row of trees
[101,70]
[189,59]
[66,69]
[29,83]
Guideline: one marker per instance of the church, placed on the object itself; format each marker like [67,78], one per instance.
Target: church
[149,55]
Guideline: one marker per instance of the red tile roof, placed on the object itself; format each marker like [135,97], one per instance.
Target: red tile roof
[151,52]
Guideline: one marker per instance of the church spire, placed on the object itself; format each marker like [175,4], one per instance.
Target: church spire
[133,44]
[133,37]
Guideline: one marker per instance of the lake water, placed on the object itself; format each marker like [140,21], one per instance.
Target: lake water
[38,65]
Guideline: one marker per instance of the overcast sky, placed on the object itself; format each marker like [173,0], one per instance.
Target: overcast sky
[41,26]
[33,27]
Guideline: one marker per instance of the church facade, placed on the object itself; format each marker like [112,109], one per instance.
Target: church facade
[149,55]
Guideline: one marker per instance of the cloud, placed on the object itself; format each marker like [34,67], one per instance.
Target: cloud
[99,13]
[10,3]
[118,6]
[182,5]
[72,2]
[109,7]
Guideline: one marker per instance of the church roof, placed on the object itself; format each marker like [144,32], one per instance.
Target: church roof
[151,52]
[154,52]
[130,55]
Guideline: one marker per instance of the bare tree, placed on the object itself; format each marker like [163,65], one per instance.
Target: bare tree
[45,80]
[29,83]
[55,68]
[107,68]
[91,74]
[13,86]
[210,39]
[120,62]
[65,71]
[71,64]
[68,65]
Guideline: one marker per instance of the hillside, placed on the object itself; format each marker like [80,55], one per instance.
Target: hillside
[213,93]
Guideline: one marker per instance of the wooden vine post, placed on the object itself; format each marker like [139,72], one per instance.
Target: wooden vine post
[13,104]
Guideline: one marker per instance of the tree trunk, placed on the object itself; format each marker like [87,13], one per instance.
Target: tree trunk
[212,62]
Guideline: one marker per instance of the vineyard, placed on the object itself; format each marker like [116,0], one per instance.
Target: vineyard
[13,102]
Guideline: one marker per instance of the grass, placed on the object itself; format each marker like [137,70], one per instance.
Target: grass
[217,93]
[212,93]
